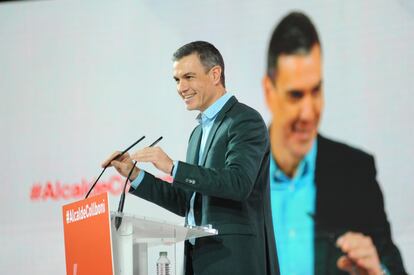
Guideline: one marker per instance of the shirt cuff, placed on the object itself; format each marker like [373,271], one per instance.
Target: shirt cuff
[138,179]
[175,168]
[385,270]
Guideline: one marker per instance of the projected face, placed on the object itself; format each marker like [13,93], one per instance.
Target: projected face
[296,102]
[195,86]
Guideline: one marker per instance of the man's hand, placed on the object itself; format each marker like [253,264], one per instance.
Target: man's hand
[360,257]
[122,164]
[156,156]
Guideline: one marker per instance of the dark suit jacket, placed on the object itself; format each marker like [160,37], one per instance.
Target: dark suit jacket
[232,194]
[348,197]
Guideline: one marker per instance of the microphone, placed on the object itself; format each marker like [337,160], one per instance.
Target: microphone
[118,220]
[106,166]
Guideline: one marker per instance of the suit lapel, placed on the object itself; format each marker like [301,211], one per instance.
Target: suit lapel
[194,146]
[324,164]
[217,122]
[325,235]
[192,158]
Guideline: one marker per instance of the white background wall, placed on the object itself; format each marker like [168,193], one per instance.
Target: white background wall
[79,79]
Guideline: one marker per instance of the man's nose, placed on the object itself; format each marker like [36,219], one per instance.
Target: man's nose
[308,109]
[182,86]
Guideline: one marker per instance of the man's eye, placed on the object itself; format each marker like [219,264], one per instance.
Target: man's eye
[295,95]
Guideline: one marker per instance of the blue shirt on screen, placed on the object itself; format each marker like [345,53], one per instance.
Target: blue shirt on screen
[293,204]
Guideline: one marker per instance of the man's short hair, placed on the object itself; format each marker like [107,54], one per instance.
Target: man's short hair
[208,54]
[295,34]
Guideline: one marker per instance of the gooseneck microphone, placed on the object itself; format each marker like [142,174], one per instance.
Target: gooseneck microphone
[118,219]
[114,158]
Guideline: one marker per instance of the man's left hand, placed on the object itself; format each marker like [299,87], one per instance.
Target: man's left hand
[360,257]
[156,156]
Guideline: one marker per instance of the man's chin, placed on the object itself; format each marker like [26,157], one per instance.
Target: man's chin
[302,149]
[189,107]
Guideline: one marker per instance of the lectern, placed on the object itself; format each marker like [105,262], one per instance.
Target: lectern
[94,246]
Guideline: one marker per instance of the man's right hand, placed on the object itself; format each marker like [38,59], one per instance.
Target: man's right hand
[122,164]
[361,254]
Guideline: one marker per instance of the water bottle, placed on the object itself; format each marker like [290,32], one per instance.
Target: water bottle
[163,264]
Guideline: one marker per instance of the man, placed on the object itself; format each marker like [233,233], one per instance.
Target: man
[225,181]
[327,206]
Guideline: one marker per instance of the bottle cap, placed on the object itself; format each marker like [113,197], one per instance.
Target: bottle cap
[163,253]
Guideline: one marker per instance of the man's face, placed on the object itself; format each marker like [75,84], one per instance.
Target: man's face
[296,101]
[194,84]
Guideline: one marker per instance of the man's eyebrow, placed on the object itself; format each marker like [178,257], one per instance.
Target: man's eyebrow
[317,86]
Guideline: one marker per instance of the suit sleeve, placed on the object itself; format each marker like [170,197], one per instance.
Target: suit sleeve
[163,194]
[387,250]
[235,163]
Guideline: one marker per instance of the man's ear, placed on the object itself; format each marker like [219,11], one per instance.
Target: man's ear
[215,74]
[268,90]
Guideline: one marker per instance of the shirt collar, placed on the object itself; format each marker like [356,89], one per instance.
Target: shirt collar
[305,168]
[211,112]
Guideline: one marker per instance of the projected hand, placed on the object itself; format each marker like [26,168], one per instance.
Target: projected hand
[156,156]
[361,255]
[123,164]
